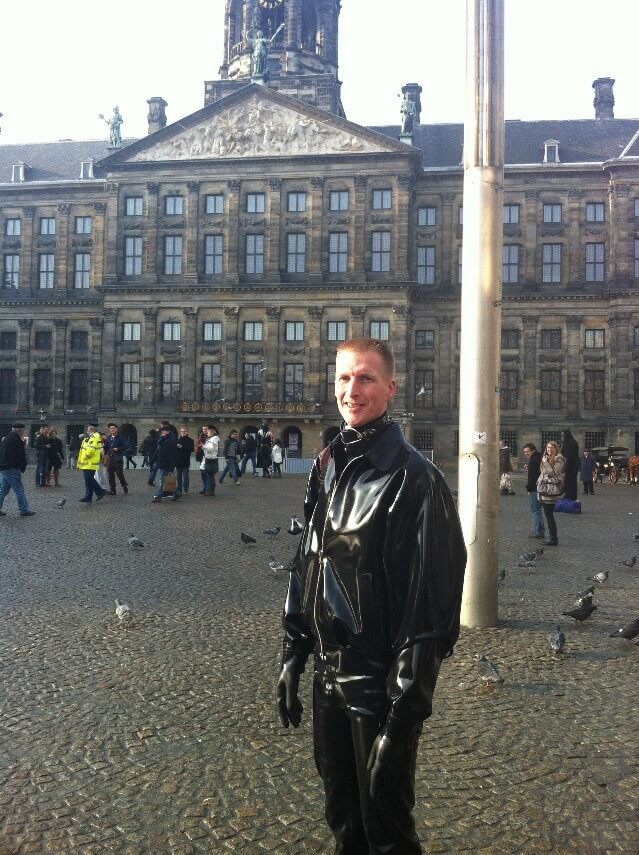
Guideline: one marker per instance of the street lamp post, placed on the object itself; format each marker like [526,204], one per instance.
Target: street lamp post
[481,308]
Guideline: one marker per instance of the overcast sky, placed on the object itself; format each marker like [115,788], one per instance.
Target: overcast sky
[63,63]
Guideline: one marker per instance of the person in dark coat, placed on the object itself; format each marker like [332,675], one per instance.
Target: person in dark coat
[56,457]
[264,446]
[249,452]
[533,458]
[13,464]
[185,448]
[375,594]
[148,447]
[41,448]
[587,467]
[570,453]
[115,446]
[165,459]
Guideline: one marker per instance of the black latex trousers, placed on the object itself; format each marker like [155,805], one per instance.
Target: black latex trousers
[342,741]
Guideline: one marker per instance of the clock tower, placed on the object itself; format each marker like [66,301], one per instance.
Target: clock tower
[302,59]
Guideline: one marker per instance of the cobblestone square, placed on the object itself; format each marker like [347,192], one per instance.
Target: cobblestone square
[161,736]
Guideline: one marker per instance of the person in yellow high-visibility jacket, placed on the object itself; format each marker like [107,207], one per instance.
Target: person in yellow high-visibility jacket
[89,457]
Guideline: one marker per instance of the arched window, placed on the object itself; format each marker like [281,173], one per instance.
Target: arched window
[292,440]
[309,26]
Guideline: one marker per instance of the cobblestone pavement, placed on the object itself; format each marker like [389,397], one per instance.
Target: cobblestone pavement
[162,737]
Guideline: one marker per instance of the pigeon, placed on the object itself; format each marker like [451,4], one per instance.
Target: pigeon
[539,552]
[274,564]
[628,632]
[528,556]
[588,592]
[636,536]
[529,564]
[487,670]
[629,562]
[557,640]
[582,612]
[501,574]
[247,539]
[135,542]
[123,611]
[62,503]
[602,577]
[583,601]
[296,526]
[273,532]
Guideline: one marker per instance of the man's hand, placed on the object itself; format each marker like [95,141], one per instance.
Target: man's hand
[388,762]
[289,706]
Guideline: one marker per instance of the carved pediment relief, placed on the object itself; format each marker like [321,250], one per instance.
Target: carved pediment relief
[258,127]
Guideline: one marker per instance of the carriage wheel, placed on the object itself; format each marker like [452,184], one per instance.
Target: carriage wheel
[614,476]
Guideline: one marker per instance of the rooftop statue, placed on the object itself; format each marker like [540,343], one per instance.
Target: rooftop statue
[261,47]
[114,123]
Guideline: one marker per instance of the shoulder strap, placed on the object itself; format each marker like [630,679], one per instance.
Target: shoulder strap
[323,461]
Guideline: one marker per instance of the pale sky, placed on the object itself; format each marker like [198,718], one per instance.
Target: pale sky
[62,63]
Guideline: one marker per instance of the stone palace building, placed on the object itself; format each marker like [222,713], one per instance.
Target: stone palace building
[206,272]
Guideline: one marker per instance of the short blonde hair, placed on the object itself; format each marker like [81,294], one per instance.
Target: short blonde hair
[370,345]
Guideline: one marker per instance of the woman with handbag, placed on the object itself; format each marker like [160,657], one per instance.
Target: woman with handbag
[209,465]
[550,487]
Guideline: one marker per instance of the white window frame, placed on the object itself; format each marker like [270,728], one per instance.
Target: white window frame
[552,213]
[83,225]
[595,262]
[213,254]
[595,339]
[46,226]
[511,214]
[510,264]
[131,330]
[133,256]
[426,259]
[174,205]
[254,252]
[338,252]
[255,203]
[12,227]
[380,252]
[11,270]
[296,202]
[383,199]
[82,270]
[214,203]
[339,200]
[595,212]
[212,331]
[46,270]
[379,330]
[171,331]
[173,247]
[336,331]
[171,385]
[296,252]
[294,331]
[427,216]
[130,381]
[551,263]
[133,206]
[253,331]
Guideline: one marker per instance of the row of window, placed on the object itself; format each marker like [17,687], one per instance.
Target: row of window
[339,200]
[550,389]
[12,226]
[294,331]
[211,387]
[296,259]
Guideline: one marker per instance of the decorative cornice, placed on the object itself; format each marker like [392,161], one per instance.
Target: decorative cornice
[96,323]
[234,185]
[109,314]
[99,207]
[150,314]
[253,351]
[317,182]
[401,311]
[193,186]
[361,181]
[112,187]
[153,187]
[231,311]
[190,313]
[64,209]
[315,312]
[273,311]
[275,183]
[210,351]
[294,351]
[358,311]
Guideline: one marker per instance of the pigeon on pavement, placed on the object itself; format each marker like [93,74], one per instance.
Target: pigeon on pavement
[557,639]
[296,526]
[629,562]
[62,503]
[273,532]
[123,611]
[487,670]
[589,591]
[274,564]
[584,600]
[628,632]
[247,539]
[529,564]
[581,613]
[528,556]
[602,577]
[135,542]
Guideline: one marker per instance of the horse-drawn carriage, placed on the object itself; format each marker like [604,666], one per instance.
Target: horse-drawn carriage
[612,461]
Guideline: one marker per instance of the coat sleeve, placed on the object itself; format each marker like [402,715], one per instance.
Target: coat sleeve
[425,560]
[299,640]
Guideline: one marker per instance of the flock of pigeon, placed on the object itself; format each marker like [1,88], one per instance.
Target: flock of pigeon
[123,611]
[582,609]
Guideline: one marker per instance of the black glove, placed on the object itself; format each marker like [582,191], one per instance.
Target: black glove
[289,706]
[390,760]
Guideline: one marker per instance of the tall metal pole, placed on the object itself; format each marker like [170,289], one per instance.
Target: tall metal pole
[481,308]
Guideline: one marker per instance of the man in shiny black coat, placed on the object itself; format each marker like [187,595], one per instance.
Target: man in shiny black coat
[375,595]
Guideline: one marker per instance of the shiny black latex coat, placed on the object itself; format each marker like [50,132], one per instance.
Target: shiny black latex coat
[378,576]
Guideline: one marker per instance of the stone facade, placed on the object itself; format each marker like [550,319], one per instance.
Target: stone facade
[206,271]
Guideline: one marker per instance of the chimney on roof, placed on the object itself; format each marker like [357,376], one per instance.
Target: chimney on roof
[157,114]
[604,102]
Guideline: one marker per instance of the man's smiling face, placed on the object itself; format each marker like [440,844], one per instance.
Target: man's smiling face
[363,386]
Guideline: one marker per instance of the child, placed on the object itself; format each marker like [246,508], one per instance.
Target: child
[277,456]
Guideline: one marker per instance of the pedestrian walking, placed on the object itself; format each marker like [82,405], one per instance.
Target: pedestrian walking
[249,452]
[533,464]
[550,487]
[55,459]
[264,447]
[277,456]
[570,453]
[129,452]
[587,466]
[74,447]
[115,451]
[231,454]
[209,465]
[376,510]
[41,446]
[185,448]
[13,464]
[89,457]
[165,459]
[148,447]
